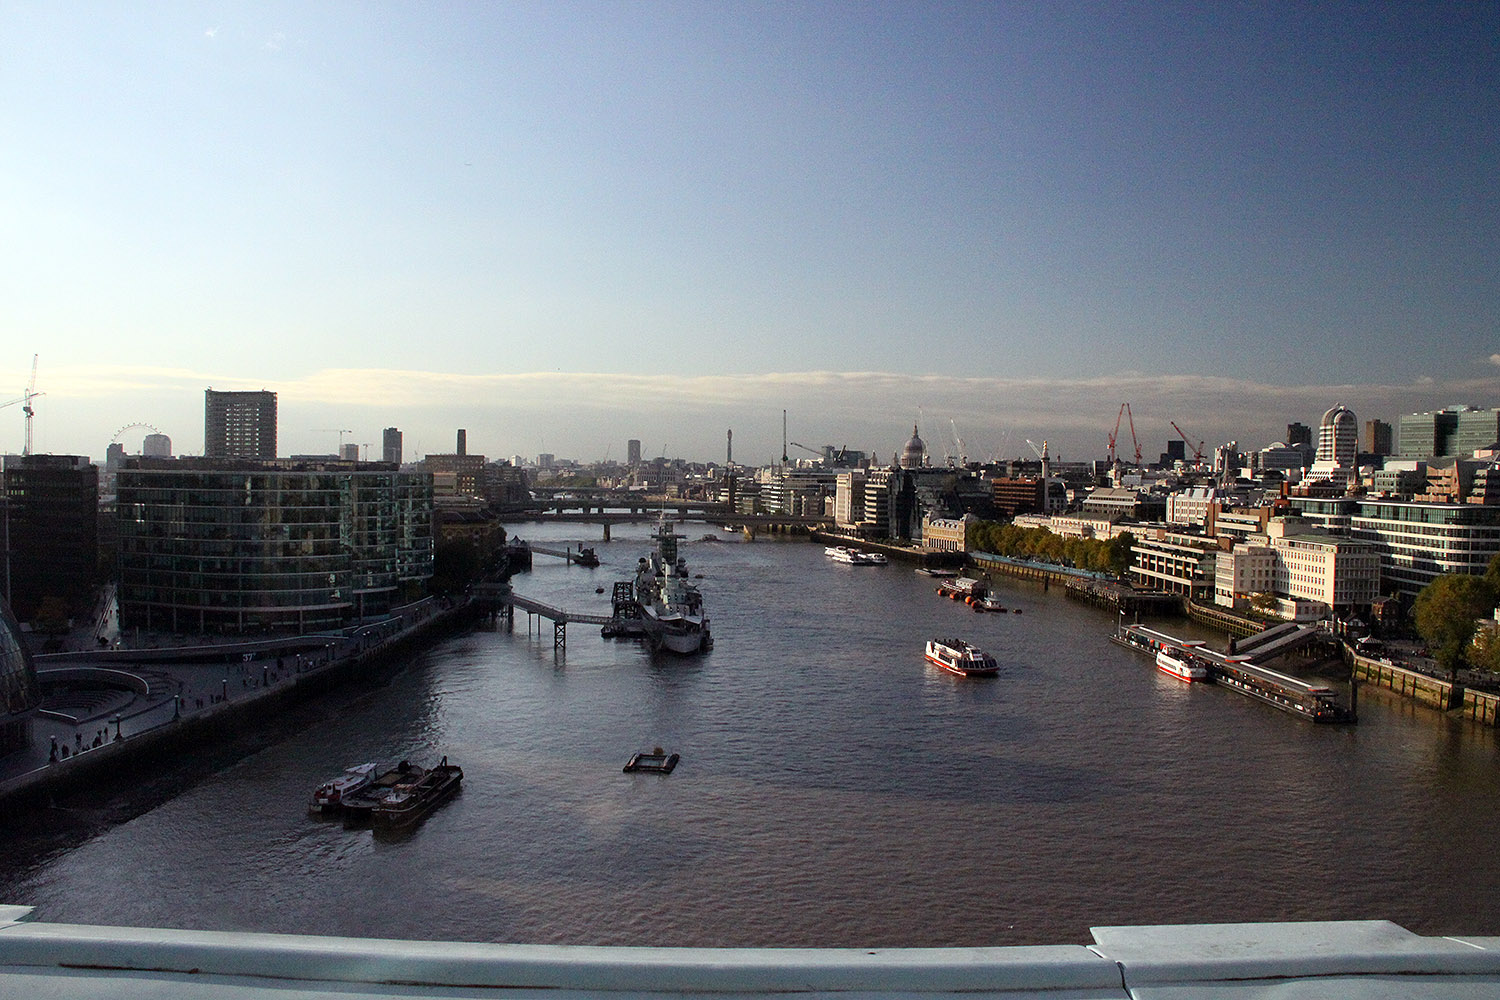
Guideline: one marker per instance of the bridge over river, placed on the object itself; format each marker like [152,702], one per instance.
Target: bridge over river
[583,511]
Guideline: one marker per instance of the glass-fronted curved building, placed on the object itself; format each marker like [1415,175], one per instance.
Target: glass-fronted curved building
[225,545]
[19,692]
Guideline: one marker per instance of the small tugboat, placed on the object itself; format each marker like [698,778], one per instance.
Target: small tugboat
[328,798]
[959,657]
[989,603]
[658,761]
[586,557]
[406,802]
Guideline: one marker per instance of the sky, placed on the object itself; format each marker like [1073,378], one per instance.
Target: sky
[563,225]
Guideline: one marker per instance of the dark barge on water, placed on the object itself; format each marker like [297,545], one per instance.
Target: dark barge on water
[656,761]
[1307,699]
[402,795]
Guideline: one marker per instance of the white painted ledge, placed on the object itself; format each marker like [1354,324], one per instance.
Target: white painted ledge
[1366,959]
[1203,952]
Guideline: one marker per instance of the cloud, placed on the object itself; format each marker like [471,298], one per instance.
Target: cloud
[1495,359]
[584,414]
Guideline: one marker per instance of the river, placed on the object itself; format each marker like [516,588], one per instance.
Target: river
[834,790]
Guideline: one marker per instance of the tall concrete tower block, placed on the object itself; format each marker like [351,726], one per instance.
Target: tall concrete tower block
[239,424]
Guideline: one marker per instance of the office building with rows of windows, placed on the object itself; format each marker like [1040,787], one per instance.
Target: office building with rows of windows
[235,546]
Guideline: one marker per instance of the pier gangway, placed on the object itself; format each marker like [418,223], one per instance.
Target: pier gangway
[509,601]
[583,555]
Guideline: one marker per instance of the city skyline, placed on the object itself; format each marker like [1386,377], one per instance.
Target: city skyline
[563,226]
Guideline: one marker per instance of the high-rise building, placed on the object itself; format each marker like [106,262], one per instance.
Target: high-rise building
[1455,432]
[1377,437]
[1476,429]
[349,452]
[391,446]
[1338,437]
[239,424]
[633,452]
[1298,434]
[53,522]
[156,446]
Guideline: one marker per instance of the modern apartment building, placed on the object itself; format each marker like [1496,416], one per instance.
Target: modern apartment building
[239,424]
[390,446]
[239,546]
[1419,541]
[52,524]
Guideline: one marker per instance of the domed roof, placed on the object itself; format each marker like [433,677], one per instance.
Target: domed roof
[1339,414]
[19,692]
[915,453]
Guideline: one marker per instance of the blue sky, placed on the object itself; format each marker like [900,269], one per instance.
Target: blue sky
[564,225]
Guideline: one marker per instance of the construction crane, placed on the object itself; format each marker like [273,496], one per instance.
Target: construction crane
[1042,451]
[1197,450]
[1126,415]
[963,458]
[812,451]
[26,408]
[334,430]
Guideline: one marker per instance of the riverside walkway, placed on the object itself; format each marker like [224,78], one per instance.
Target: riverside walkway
[118,703]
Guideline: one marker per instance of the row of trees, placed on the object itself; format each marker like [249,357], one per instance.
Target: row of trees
[1447,614]
[1041,545]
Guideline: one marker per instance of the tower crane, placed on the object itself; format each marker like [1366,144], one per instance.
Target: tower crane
[334,430]
[25,400]
[1197,449]
[1128,416]
[812,451]
[963,458]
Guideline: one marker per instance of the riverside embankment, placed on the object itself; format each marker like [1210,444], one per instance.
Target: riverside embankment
[177,701]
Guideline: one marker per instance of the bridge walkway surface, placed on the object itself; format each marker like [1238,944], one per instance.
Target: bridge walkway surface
[1255,961]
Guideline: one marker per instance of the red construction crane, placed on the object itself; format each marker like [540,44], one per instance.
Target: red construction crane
[1124,414]
[1197,451]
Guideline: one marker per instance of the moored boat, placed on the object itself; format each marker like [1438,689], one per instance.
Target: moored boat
[962,658]
[672,615]
[1181,664]
[358,806]
[408,801]
[328,798]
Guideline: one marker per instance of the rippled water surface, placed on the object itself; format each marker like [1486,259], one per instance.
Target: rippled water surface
[833,790]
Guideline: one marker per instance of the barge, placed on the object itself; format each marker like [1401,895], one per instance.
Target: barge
[1305,699]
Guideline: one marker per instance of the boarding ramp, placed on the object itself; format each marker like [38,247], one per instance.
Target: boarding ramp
[1278,640]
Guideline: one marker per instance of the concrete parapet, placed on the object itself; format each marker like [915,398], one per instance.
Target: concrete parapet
[1330,958]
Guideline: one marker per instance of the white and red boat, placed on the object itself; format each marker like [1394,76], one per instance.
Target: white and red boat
[328,798]
[959,657]
[1182,664]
